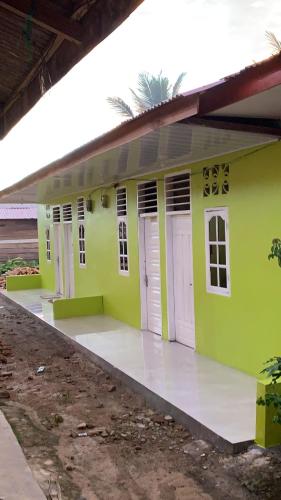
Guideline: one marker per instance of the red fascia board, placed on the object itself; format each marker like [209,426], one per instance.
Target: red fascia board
[249,82]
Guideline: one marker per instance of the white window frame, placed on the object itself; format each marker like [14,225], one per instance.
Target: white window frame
[148,214]
[166,178]
[208,214]
[48,244]
[80,203]
[67,215]
[81,240]
[60,215]
[122,218]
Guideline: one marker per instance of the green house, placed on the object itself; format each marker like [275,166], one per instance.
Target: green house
[165,223]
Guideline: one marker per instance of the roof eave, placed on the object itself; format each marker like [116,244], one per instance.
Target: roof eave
[170,112]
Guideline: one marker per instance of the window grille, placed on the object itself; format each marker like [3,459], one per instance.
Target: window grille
[56,214]
[178,193]
[67,212]
[121,201]
[147,198]
[81,209]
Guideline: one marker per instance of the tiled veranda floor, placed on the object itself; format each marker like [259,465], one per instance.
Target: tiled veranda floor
[220,398]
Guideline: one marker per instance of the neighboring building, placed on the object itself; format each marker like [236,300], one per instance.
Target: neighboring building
[170,216]
[18,232]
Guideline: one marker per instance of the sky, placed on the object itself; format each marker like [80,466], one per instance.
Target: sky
[207,39]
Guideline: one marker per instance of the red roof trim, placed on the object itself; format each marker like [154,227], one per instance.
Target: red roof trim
[250,81]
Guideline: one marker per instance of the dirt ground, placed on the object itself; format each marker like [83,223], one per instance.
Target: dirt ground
[86,436]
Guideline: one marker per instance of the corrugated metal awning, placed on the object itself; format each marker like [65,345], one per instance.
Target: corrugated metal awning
[166,147]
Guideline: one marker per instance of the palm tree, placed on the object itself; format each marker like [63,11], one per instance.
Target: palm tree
[273,41]
[151,90]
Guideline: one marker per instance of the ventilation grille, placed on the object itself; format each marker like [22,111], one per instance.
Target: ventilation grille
[67,212]
[121,202]
[178,193]
[56,214]
[80,209]
[147,197]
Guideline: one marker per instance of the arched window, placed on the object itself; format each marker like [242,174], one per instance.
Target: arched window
[121,207]
[217,251]
[123,246]
[48,244]
[82,247]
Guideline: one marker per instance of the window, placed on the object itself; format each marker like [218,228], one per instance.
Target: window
[121,201]
[56,215]
[177,189]
[47,211]
[67,212]
[81,209]
[217,251]
[82,248]
[122,223]
[48,244]
[147,198]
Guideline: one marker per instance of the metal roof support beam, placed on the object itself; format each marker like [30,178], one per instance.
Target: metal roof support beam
[45,15]
[227,124]
[257,78]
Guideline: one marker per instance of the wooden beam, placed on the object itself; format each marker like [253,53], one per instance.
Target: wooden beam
[61,55]
[47,16]
[47,54]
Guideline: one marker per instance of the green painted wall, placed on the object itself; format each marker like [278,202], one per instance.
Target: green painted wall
[25,282]
[81,306]
[241,330]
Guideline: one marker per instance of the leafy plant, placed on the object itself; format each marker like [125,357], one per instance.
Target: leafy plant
[273,41]
[11,264]
[151,91]
[273,371]
[275,251]
[273,365]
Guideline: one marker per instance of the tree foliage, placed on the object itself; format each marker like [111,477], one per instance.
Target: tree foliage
[273,41]
[151,90]
[275,250]
[273,371]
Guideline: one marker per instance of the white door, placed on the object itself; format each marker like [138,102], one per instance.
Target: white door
[58,259]
[152,274]
[183,280]
[68,262]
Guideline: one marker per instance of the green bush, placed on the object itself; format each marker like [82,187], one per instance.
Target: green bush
[17,262]
[272,371]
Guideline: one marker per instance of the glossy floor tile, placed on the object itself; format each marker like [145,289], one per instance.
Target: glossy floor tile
[221,398]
